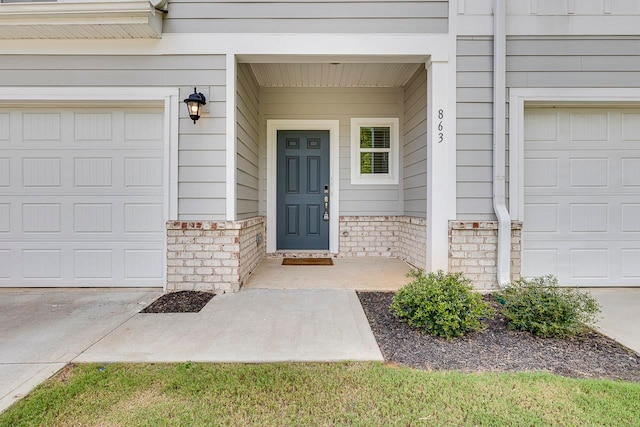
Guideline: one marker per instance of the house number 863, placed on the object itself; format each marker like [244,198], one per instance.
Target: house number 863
[440,126]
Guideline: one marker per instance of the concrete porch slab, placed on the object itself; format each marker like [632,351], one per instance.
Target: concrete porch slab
[255,325]
[371,274]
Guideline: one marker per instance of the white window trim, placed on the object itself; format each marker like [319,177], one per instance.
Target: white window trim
[381,179]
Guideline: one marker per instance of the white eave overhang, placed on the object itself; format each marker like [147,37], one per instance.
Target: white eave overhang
[90,20]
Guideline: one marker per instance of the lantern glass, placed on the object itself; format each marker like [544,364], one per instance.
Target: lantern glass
[194,102]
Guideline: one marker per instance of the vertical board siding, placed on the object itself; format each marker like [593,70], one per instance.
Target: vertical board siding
[415,145]
[339,104]
[247,136]
[201,190]
[337,16]
[474,104]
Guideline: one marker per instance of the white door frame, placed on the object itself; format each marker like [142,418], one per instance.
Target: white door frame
[333,126]
[574,96]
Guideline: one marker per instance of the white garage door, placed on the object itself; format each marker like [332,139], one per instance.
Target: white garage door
[81,197]
[582,195]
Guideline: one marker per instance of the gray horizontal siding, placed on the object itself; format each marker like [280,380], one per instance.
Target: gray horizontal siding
[573,62]
[247,146]
[201,168]
[342,105]
[474,104]
[414,180]
[342,16]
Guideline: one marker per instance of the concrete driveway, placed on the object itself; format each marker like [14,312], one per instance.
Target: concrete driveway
[42,330]
[620,315]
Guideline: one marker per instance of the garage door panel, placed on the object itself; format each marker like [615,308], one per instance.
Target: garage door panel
[630,264]
[41,218]
[5,172]
[631,172]
[582,220]
[5,217]
[82,197]
[631,217]
[589,218]
[93,263]
[4,127]
[93,172]
[589,126]
[589,263]
[589,172]
[41,127]
[631,127]
[541,172]
[5,264]
[89,263]
[540,261]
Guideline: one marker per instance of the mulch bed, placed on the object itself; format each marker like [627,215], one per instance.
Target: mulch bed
[496,349]
[179,302]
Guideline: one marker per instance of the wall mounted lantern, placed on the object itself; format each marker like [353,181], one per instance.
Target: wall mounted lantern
[194,102]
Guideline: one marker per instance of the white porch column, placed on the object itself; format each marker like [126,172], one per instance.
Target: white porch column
[232,143]
[440,142]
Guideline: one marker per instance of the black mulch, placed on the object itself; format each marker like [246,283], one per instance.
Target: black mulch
[497,349]
[179,302]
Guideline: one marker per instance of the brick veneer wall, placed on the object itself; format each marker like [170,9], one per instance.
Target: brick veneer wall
[401,237]
[473,251]
[213,255]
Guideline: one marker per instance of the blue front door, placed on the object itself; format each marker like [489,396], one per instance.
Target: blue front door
[303,190]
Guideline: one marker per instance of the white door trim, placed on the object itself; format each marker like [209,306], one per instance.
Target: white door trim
[168,98]
[333,126]
[520,96]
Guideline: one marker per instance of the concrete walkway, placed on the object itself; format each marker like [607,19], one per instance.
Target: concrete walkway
[255,325]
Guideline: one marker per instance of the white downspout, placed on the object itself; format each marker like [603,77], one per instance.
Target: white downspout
[499,143]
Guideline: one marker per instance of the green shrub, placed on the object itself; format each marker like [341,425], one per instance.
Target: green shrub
[539,306]
[441,304]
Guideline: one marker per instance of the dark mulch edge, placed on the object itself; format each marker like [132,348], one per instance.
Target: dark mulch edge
[497,349]
[179,302]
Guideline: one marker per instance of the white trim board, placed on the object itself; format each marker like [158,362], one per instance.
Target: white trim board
[520,97]
[355,45]
[168,98]
[333,126]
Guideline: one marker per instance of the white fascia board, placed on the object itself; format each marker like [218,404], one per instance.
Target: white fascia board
[519,97]
[60,19]
[243,44]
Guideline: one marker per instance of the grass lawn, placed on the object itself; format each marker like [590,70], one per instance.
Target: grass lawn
[367,394]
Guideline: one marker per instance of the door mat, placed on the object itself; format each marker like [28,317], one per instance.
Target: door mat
[307,261]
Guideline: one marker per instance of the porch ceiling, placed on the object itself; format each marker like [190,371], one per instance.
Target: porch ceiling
[333,74]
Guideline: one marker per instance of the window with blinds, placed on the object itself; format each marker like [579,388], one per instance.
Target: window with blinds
[374,151]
